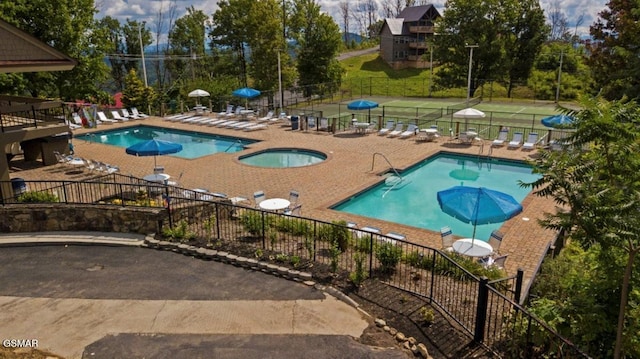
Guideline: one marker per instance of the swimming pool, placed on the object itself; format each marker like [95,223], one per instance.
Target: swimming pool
[283,158]
[413,201]
[194,144]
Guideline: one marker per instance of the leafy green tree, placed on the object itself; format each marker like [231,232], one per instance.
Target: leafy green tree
[67,25]
[230,29]
[135,94]
[596,182]
[575,80]
[187,39]
[507,34]
[110,29]
[319,42]
[615,55]
[526,29]
[265,19]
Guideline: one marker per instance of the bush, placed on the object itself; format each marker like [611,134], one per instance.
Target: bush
[295,226]
[179,232]
[335,233]
[388,255]
[253,222]
[37,197]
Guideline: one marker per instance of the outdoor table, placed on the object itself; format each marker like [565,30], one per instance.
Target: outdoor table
[430,130]
[361,127]
[472,248]
[244,114]
[157,177]
[274,204]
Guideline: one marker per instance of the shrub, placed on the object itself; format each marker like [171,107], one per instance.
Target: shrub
[359,275]
[179,232]
[363,244]
[337,233]
[388,255]
[295,226]
[37,197]
[253,222]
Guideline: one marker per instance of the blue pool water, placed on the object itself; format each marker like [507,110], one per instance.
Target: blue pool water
[283,158]
[414,201]
[194,144]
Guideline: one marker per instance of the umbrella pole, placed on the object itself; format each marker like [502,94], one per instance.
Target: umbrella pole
[154,162]
[475,220]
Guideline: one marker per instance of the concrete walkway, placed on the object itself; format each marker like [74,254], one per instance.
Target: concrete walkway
[71,297]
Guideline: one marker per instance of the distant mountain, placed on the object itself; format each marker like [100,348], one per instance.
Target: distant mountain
[350,36]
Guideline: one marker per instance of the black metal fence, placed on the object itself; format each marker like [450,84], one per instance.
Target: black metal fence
[487,310]
[21,112]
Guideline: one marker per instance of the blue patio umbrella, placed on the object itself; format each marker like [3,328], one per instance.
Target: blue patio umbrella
[558,121]
[478,205]
[246,92]
[362,105]
[153,148]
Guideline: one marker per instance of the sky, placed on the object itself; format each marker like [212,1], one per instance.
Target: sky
[147,10]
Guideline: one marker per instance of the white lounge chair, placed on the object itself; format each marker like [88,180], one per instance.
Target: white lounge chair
[266,117]
[516,141]
[76,121]
[102,118]
[311,123]
[215,122]
[116,116]
[134,111]
[227,112]
[397,130]
[531,142]
[502,137]
[257,126]
[387,128]
[125,113]
[367,231]
[411,130]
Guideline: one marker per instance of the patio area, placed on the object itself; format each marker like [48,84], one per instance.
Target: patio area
[346,171]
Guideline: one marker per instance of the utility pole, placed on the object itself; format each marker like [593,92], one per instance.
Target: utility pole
[430,66]
[280,83]
[471,47]
[144,65]
[559,76]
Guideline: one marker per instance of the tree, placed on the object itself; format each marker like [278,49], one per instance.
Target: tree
[615,55]
[507,35]
[67,25]
[135,94]
[596,182]
[265,20]
[319,40]
[229,29]
[527,32]
[345,15]
[110,29]
[559,28]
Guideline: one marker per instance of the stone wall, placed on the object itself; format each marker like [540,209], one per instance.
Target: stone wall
[47,217]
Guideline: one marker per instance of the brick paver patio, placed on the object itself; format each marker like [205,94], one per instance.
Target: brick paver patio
[346,171]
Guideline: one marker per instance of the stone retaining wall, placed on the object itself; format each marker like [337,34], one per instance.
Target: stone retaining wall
[56,217]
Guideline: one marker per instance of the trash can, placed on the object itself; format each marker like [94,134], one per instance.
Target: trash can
[295,122]
[18,185]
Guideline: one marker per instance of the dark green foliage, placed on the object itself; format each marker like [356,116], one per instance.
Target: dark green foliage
[180,232]
[254,222]
[37,197]
[295,226]
[388,255]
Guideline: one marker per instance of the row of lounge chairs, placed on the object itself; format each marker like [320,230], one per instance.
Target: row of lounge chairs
[393,129]
[222,122]
[90,165]
[516,141]
[76,121]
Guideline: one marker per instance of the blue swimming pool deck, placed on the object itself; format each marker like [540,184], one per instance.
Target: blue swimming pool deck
[346,171]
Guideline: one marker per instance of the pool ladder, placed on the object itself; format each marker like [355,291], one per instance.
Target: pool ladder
[234,143]
[373,162]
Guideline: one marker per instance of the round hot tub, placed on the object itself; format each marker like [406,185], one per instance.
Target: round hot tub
[283,158]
